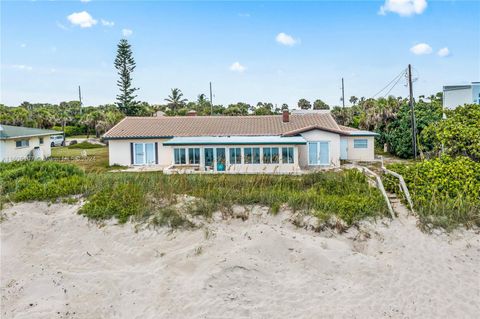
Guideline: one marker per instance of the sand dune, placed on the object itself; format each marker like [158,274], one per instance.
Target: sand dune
[55,264]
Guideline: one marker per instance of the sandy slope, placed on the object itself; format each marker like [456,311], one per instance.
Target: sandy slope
[54,264]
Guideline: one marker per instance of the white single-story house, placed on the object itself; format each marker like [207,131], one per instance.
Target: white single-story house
[21,143]
[286,143]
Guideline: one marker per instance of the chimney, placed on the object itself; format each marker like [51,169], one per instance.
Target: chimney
[192,113]
[285,116]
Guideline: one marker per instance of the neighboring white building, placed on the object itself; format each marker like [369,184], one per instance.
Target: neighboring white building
[456,95]
[21,143]
[285,143]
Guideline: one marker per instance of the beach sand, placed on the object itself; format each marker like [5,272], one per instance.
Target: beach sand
[57,264]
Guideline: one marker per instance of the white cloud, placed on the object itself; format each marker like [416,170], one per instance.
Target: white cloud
[82,19]
[85,0]
[23,45]
[22,67]
[237,67]
[421,48]
[403,8]
[443,52]
[127,32]
[286,39]
[107,23]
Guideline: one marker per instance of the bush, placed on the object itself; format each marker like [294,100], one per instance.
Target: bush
[84,145]
[27,180]
[72,142]
[121,201]
[71,130]
[445,191]
[457,135]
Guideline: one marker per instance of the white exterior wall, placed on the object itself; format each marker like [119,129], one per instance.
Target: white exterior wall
[320,136]
[9,152]
[119,151]
[360,154]
[454,98]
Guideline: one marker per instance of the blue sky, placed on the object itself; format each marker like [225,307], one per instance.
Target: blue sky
[274,52]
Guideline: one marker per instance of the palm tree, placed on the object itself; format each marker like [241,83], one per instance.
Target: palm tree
[175,99]
[353,99]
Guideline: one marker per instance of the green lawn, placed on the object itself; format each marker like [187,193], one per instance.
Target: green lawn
[96,159]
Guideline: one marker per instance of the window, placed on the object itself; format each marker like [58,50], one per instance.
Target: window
[179,156]
[144,153]
[235,155]
[21,143]
[360,143]
[270,155]
[251,155]
[275,155]
[41,140]
[287,155]
[318,153]
[193,156]
[209,157]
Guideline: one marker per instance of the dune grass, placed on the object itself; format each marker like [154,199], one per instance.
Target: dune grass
[345,194]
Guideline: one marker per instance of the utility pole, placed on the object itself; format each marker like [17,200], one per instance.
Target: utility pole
[211,100]
[343,94]
[412,109]
[80,98]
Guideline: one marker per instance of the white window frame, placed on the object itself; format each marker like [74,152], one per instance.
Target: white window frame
[234,149]
[271,154]
[186,155]
[360,140]
[260,155]
[288,153]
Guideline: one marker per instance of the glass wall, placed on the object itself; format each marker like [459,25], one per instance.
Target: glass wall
[218,159]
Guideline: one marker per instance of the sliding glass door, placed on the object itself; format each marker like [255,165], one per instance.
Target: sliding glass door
[319,153]
[144,153]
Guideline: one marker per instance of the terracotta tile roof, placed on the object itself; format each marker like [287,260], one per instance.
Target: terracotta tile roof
[347,128]
[166,126]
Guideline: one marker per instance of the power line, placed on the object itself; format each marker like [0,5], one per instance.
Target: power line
[389,83]
[394,85]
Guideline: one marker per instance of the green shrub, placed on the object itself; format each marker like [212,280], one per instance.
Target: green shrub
[28,180]
[445,191]
[120,200]
[71,130]
[457,135]
[84,145]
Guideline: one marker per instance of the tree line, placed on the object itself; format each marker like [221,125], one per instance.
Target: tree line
[389,116]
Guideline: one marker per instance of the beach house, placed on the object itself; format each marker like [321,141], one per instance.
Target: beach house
[21,143]
[285,143]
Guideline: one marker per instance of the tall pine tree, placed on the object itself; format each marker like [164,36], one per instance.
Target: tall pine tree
[125,64]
